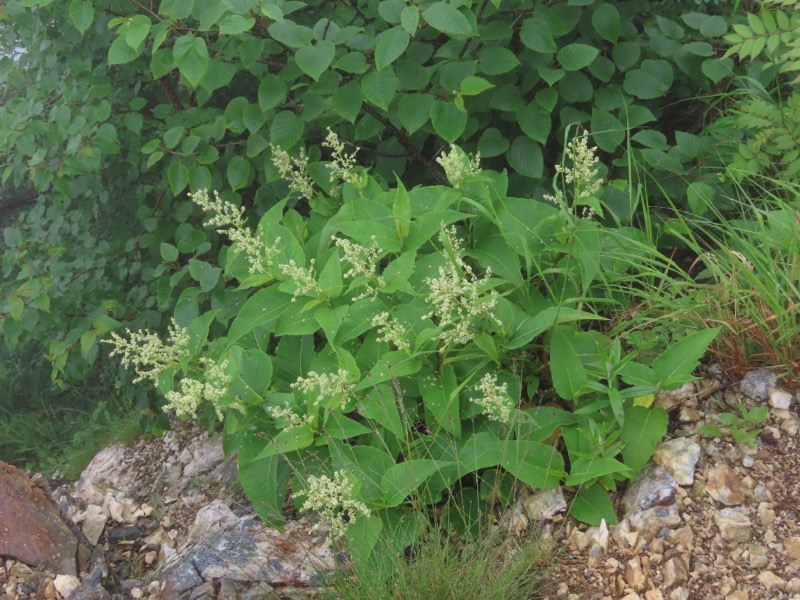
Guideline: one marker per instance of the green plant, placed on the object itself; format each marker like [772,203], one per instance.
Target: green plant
[742,427]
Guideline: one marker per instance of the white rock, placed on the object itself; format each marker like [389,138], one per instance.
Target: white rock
[94,521]
[545,504]
[206,454]
[108,472]
[724,485]
[679,457]
[66,584]
[780,399]
[679,594]
[769,580]
[213,518]
[734,524]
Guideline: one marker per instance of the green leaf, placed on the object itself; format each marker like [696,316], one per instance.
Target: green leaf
[380,406]
[261,310]
[496,60]
[525,157]
[271,92]
[379,87]
[606,22]
[472,86]
[291,34]
[536,36]
[191,57]
[607,131]
[492,143]
[532,327]
[314,60]
[238,172]
[403,479]
[674,366]
[347,101]
[717,69]
[440,397]
[576,56]
[178,177]
[392,364]
[448,121]
[534,122]
[583,470]
[643,429]
[409,19]
[401,211]
[169,252]
[81,13]
[414,110]
[263,480]
[626,54]
[138,29]
[447,19]
[286,129]
[538,465]
[391,45]
[566,368]
[592,505]
[235,24]
[253,374]
[120,52]
[652,80]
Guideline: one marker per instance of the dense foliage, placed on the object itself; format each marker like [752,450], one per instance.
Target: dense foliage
[375,235]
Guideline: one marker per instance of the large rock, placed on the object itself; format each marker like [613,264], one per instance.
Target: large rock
[31,528]
[650,502]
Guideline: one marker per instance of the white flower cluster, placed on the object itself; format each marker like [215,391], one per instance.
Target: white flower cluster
[193,392]
[456,297]
[342,164]
[494,399]
[390,331]
[333,500]
[284,413]
[328,385]
[304,278]
[457,165]
[294,171]
[229,220]
[147,354]
[363,262]
[582,175]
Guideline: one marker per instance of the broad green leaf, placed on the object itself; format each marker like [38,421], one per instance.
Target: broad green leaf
[402,480]
[286,129]
[480,451]
[448,121]
[238,172]
[178,9]
[81,13]
[447,19]
[137,31]
[392,364]
[606,22]
[496,60]
[120,52]
[626,55]
[536,36]
[264,480]
[592,505]
[643,429]
[492,143]
[652,80]
[414,110]
[340,427]
[262,309]
[607,131]
[291,34]
[525,157]
[472,86]
[191,57]
[271,92]
[380,406]
[401,211]
[235,24]
[409,19]
[288,440]
[675,365]
[379,87]
[391,45]
[347,101]
[576,56]
[314,60]
[178,177]
[441,398]
[566,368]
[253,374]
[532,327]
[538,465]
[583,470]
[534,122]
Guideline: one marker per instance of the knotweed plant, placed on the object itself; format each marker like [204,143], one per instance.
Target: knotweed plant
[147,354]
[304,278]
[457,296]
[294,171]
[458,165]
[363,263]
[334,501]
[342,165]
[212,388]
[325,385]
[390,331]
[494,399]
[581,179]
[228,219]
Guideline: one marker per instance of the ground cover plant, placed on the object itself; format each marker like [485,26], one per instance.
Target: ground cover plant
[412,255]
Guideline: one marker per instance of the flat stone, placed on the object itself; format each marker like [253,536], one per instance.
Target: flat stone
[32,529]
[780,399]
[545,504]
[679,457]
[94,521]
[792,547]
[724,486]
[737,595]
[675,572]
[669,399]
[771,581]
[650,501]
[66,584]
[653,595]
[206,455]
[757,384]
[212,518]
[634,576]
[734,524]
[109,471]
